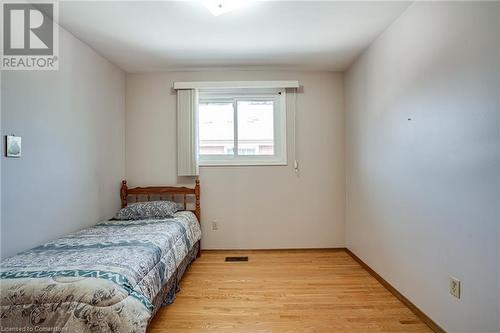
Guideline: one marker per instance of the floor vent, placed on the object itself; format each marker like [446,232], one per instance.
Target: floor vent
[236,258]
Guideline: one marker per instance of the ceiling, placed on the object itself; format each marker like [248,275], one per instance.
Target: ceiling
[143,36]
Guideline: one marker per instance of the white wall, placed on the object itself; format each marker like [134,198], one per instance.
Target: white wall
[1,153]
[423,195]
[72,122]
[257,206]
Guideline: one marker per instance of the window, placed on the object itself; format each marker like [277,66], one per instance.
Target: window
[242,127]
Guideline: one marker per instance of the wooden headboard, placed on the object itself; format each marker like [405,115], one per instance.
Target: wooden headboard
[163,193]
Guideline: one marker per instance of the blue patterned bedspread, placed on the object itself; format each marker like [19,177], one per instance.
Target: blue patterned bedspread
[100,279]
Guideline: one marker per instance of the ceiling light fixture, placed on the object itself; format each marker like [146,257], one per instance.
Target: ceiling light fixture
[219,7]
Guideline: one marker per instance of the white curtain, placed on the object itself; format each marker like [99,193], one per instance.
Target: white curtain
[187,132]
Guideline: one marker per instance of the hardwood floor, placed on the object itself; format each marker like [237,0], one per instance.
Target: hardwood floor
[283,291]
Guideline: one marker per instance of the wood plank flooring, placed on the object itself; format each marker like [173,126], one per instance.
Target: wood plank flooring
[283,291]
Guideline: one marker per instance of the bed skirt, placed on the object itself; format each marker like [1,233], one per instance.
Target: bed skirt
[167,294]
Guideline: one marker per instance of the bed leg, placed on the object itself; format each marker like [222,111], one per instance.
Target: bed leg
[198,254]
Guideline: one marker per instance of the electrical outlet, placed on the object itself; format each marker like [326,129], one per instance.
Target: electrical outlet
[455,287]
[214,225]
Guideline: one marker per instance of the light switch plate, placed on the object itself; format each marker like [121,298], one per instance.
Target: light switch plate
[13,146]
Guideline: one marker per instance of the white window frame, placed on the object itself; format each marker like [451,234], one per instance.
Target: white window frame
[280,125]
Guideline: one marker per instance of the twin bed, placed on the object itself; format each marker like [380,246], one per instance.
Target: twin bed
[111,277]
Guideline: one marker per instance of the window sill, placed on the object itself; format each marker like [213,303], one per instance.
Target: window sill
[241,163]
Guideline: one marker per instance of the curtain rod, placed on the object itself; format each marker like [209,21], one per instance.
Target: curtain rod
[235,84]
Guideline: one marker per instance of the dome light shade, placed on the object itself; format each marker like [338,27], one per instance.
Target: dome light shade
[219,7]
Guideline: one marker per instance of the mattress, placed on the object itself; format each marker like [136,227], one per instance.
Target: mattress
[106,278]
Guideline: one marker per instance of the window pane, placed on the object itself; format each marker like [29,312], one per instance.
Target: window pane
[216,128]
[255,128]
